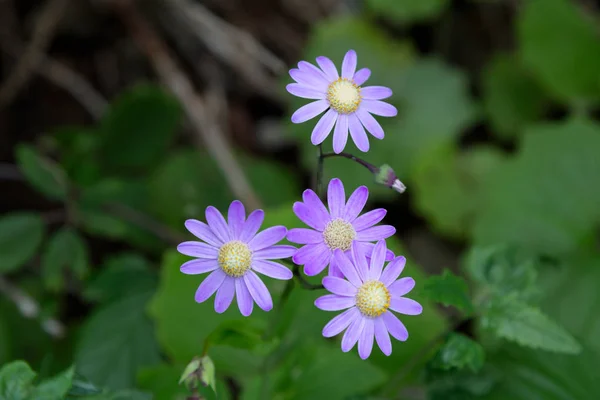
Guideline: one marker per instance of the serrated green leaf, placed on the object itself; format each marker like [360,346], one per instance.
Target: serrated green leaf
[450,290]
[512,319]
[42,173]
[512,97]
[65,253]
[460,352]
[560,44]
[16,381]
[448,183]
[55,388]
[504,269]
[117,331]
[21,234]
[120,276]
[542,199]
[137,128]
[404,11]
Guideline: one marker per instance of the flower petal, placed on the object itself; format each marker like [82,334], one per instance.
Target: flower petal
[310,78]
[378,107]
[349,64]
[308,216]
[268,237]
[336,198]
[304,236]
[347,268]
[358,134]
[359,259]
[365,341]
[369,122]
[305,91]
[198,249]
[340,322]
[236,216]
[340,134]
[195,267]
[369,219]
[309,111]
[393,271]
[307,253]
[401,287]
[323,128]
[382,337]
[306,67]
[252,225]
[244,299]
[375,92]
[315,204]
[334,270]
[328,68]
[258,291]
[339,286]
[377,259]
[375,233]
[272,269]
[203,232]
[405,306]
[356,203]
[225,294]
[217,224]
[210,285]
[317,265]
[353,333]
[332,302]
[274,252]
[361,76]
[394,326]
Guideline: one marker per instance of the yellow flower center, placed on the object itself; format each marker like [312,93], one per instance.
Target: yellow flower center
[372,299]
[343,96]
[339,234]
[235,258]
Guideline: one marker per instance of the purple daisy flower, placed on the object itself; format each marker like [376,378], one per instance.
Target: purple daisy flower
[349,105]
[338,228]
[369,294]
[234,252]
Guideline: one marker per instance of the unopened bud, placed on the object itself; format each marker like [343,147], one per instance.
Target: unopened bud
[386,176]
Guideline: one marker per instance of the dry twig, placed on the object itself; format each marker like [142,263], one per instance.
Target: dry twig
[202,119]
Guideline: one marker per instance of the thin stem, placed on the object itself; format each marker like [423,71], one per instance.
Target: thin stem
[372,168]
[319,183]
[303,282]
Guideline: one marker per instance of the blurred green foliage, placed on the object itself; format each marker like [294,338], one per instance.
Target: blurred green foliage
[518,320]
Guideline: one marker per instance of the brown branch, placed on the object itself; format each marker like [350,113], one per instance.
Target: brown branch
[203,122]
[33,54]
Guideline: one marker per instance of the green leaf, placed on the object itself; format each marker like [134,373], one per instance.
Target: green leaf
[459,384]
[42,173]
[118,331]
[542,199]
[55,388]
[181,187]
[404,11]
[16,381]
[560,44]
[137,128]
[450,290]
[242,333]
[460,352]
[21,234]
[448,184]
[65,253]
[512,319]
[120,276]
[512,97]
[504,269]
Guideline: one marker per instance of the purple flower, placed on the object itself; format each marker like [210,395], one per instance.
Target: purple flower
[234,252]
[338,228]
[369,294]
[349,105]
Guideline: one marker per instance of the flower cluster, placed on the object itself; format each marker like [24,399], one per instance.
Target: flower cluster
[339,238]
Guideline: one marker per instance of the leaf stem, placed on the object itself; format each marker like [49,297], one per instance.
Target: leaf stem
[372,168]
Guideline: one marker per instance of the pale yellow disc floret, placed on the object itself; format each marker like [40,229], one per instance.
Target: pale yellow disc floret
[372,299]
[343,96]
[339,234]
[235,258]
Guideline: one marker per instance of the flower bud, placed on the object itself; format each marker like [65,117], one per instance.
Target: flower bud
[386,176]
